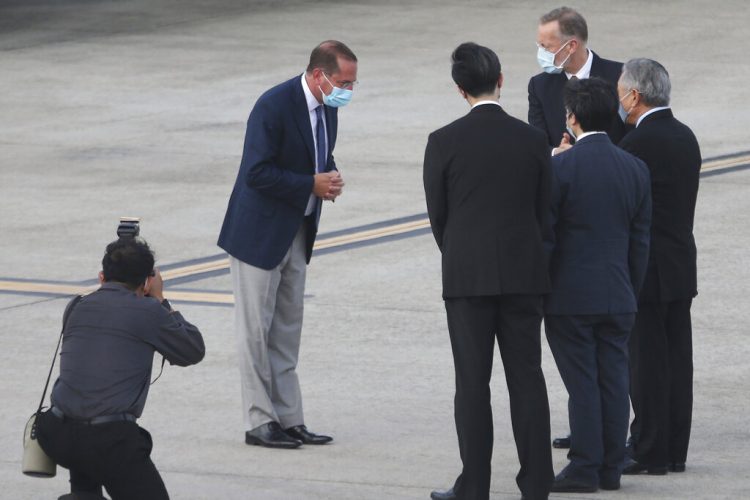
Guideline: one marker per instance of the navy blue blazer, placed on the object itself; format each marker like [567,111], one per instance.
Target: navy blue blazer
[275,180]
[546,108]
[601,217]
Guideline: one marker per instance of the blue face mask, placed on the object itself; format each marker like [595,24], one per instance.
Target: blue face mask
[338,96]
[546,59]
[621,111]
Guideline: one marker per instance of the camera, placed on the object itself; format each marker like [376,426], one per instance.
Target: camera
[129,227]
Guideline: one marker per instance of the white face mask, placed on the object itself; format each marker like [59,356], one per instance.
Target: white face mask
[546,59]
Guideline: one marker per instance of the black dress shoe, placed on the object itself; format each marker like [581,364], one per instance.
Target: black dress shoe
[270,435]
[563,442]
[564,484]
[677,467]
[443,495]
[300,433]
[632,467]
[609,484]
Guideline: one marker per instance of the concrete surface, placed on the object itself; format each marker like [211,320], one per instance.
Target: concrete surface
[137,107]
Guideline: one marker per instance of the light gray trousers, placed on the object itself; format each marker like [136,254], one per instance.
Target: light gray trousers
[268,323]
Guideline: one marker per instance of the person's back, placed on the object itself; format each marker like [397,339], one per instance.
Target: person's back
[604,189]
[108,347]
[498,175]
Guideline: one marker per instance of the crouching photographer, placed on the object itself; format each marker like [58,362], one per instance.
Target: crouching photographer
[109,340]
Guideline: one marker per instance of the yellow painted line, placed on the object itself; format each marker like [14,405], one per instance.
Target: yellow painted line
[57,289]
[23,286]
[222,263]
[726,163]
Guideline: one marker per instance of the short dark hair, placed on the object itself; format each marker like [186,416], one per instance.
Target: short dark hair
[475,69]
[325,56]
[572,24]
[129,261]
[593,101]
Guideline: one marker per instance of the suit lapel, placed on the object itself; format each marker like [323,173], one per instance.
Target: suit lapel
[302,117]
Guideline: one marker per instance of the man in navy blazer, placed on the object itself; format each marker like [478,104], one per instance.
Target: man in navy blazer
[562,54]
[601,214]
[287,171]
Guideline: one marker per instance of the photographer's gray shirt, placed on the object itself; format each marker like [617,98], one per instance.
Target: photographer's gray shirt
[108,348]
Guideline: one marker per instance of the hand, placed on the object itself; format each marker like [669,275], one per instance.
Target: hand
[322,183]
[564,145]
[154,286]
[336,187]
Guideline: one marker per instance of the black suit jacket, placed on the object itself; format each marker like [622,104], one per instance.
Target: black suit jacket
[486,180]
[600,215]
[671,151]
[546,108]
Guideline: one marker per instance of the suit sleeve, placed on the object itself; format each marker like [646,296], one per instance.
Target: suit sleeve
[536,112]
[640,236]
[545,198]
[552,213]
[179,341]
[434,189]
[263,142]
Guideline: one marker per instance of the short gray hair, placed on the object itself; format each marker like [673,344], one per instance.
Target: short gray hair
[649,78]
[572,24]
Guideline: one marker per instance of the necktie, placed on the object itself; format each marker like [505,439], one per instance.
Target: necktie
[320,139]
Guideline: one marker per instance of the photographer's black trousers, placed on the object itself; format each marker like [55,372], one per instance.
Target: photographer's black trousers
[115,455]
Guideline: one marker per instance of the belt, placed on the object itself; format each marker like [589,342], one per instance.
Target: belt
[104,419]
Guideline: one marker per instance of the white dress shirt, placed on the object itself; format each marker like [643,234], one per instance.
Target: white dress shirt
[644,115]
[313,103]
[585,70]
[485,102]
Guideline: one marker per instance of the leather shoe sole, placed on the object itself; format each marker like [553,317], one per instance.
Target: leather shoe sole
[676,467]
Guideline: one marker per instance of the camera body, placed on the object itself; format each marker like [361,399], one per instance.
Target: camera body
[129,227]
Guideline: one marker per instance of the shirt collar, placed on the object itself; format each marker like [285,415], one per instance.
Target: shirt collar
[480,103]
[312,102]
[586,134]
[652,110]
[585,70]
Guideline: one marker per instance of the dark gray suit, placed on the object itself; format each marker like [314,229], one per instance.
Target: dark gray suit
[601,213]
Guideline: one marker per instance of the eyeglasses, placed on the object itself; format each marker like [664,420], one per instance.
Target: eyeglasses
[344,84]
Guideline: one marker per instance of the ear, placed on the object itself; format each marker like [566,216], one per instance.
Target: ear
[101,277]
[461,91]
[500,81]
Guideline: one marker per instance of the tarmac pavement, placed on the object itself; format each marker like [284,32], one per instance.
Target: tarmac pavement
[138,108]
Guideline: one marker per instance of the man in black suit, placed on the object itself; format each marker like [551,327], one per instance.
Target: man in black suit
[598,247]
[562,54]
[486,178]
[661,343]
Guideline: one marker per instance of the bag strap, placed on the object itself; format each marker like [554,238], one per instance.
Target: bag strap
[59,341]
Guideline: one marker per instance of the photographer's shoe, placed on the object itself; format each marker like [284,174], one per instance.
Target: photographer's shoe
[270,435]
[300,433]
